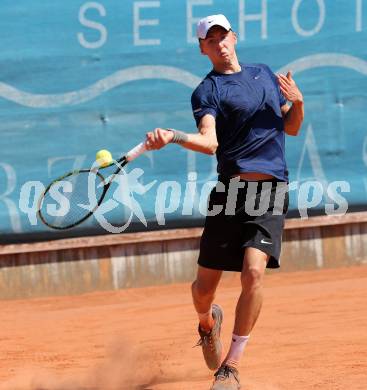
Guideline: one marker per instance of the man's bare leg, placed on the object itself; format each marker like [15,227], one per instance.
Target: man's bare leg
[210,316]
[203,293]
[251,298]
[249,303]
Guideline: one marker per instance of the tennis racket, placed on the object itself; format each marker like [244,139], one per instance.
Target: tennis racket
[67,202]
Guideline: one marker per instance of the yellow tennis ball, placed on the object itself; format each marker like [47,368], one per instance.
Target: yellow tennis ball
[104,158]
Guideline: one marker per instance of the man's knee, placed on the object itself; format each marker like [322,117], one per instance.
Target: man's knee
[252,278]
[254,264]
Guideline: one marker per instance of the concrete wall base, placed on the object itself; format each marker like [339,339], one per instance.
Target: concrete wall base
[75,266]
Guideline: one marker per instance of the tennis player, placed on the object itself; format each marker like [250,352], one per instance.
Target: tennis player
[242,115]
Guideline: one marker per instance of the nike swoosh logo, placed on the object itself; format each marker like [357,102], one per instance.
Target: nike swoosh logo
[265,242]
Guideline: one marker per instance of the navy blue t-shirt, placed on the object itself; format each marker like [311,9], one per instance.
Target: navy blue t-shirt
[249,123]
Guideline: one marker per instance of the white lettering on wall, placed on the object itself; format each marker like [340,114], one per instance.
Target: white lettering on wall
[191,21]
[261,17]
[93,25]
[359,10]
[144,22]
[301,31]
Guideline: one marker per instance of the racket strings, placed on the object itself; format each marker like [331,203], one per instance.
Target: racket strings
[70,200]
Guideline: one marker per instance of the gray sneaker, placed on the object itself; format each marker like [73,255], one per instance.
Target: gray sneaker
[210,342]
[226,378]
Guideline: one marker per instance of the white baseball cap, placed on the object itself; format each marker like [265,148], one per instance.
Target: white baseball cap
[205,24]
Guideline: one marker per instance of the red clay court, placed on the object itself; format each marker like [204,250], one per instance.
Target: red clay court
[311,335]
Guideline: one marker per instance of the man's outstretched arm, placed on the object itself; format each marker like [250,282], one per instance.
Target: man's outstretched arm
[205,141]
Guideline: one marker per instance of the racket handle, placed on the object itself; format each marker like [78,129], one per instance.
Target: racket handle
[136,152]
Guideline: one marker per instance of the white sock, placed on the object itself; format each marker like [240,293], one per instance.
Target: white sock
[236,350]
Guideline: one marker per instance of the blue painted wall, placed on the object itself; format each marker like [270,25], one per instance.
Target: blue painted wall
[80,76]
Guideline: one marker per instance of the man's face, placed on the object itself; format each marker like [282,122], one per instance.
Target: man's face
[219,45]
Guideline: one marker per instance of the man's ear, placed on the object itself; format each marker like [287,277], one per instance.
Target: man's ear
[201,47]
[235,37]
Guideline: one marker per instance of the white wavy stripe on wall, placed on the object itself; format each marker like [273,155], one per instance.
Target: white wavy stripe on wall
[326,59]
[83,95]
[164,73]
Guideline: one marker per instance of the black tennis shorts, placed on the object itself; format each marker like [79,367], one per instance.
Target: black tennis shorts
[251,216]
